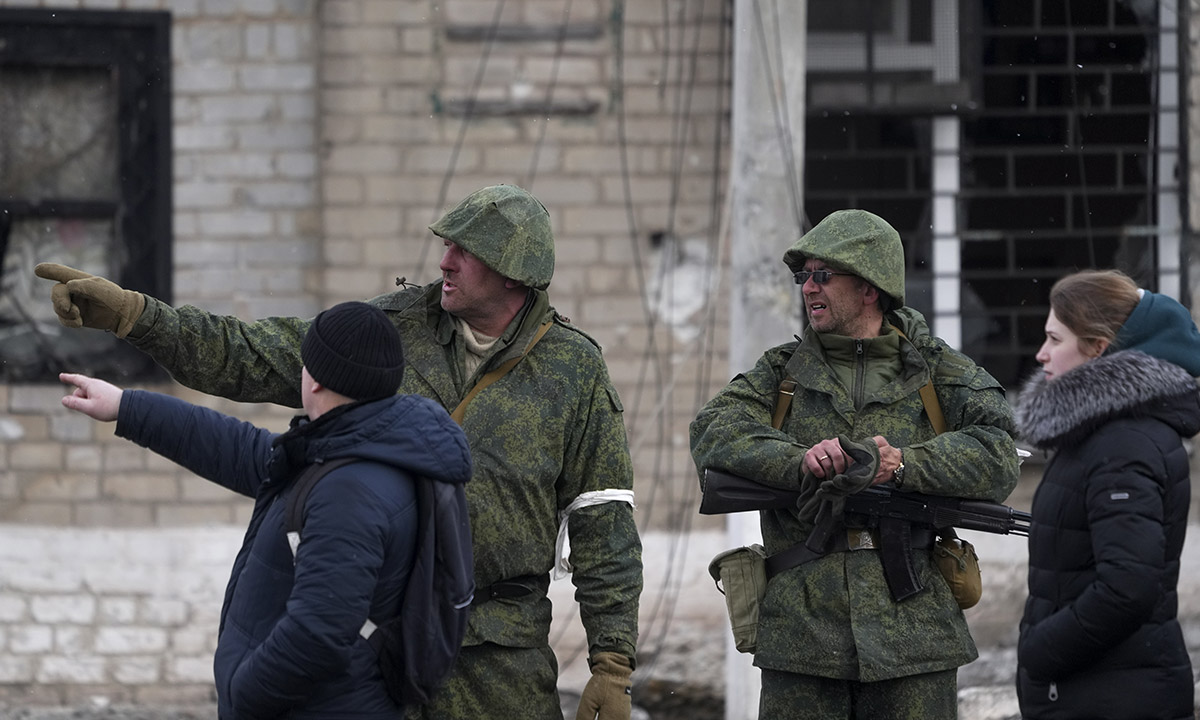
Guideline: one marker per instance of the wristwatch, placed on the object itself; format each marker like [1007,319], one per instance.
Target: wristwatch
[898,473]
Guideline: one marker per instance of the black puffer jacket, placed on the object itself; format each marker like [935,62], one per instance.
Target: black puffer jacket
[1099,637]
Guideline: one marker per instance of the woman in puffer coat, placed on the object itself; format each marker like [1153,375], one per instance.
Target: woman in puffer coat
[1114,400]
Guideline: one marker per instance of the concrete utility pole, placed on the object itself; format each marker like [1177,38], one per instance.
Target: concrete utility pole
[766,208]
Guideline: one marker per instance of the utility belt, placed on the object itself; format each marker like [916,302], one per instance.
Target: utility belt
[511,588]
[742,574]
[922,537]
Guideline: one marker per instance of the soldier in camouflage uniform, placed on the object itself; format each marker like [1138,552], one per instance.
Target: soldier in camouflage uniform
[547,440]
[832,643]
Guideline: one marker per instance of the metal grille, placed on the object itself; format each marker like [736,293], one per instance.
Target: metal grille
[1058,163]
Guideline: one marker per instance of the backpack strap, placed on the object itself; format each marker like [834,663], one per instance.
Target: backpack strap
[496,374]
[783,401]
[293,516]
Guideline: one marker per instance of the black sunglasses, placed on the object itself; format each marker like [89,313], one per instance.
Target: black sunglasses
[820,277]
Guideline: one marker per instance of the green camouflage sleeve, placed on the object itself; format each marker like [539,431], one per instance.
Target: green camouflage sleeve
[733,430]
[606,550]
[979,458]
[222,355]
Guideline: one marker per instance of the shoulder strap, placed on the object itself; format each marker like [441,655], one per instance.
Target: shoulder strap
[783,401]
[933,408]
[496,374]
[929,397]
[293,516]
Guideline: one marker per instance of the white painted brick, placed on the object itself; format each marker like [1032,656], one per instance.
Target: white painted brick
[260,7]
[479,11]
[127,578]
[363,159]
[240,165]
[55,486]
[280,194]
[272,78]
[30,639]
[208,43]
[257,40]
[194,640]
[71,427]
[34,398]
[137,670]
[292,41]
[204,195]
[359,40]
[85,458]
[14,670]
[12,607]
[243,222]
[219,8]
[116,610]
[75,669]
[119,458]
[202,137]
[393,12]
[130,640]
[36,456]
[240,107]
[202,78]
[42,576]
[197,669]
[296,165]
[50,609]
[276,136]
[356,101]
[72,639]
[185,8]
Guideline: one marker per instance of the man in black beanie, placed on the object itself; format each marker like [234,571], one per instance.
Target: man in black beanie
[353,350]
[292,635]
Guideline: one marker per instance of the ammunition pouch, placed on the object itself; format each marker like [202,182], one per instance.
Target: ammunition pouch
[959,564]
[741,576]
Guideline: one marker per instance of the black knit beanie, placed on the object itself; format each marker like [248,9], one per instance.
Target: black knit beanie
[354,350]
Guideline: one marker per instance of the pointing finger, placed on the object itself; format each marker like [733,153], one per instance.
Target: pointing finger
[59,273]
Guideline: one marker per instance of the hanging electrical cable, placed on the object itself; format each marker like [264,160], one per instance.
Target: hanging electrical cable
[468,113]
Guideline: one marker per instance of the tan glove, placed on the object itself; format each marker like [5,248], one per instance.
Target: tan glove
[608,695]
[83,300]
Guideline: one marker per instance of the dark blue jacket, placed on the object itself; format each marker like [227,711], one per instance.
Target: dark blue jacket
[289,644]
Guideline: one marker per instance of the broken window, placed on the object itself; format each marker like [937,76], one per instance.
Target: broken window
[85,178]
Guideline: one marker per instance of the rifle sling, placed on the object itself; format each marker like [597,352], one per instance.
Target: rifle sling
[494,375]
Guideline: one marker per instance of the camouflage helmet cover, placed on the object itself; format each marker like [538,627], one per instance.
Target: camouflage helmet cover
[859,242]
[507,229]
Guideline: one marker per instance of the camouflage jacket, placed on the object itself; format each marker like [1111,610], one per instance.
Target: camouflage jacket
[834,617]
[548,431]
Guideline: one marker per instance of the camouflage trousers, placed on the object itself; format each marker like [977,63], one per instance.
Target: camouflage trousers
[504,683]
[789,696]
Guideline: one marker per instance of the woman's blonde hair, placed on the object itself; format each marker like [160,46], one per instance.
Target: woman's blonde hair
[1094,304]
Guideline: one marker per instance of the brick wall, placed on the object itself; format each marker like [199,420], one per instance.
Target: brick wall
[313,144]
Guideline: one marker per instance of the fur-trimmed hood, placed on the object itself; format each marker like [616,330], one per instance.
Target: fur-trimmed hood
[1051,414]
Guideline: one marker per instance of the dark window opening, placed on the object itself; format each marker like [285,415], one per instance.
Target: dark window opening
[880,163]
[85,178]
[1057,164]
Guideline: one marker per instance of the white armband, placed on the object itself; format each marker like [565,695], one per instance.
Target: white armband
[562,565]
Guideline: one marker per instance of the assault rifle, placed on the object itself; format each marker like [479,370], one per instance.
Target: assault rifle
[896,514]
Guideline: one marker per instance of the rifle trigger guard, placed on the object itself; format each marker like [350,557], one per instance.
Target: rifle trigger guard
[861,539]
